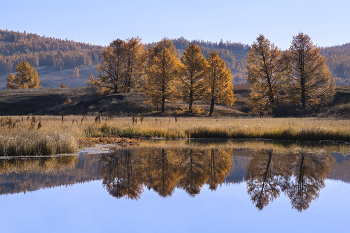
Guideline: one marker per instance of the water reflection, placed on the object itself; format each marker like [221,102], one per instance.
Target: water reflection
[299,175]
[128,170]
[30,174]
[267,172]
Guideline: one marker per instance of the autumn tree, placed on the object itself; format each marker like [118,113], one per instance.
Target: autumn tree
[310,83]
[166,43]
[26,77]
[160,78]
[76,72]
[134,63]
[265,74]
[91,80]
[218,82]
[122,65]
[192,78]
[111,69]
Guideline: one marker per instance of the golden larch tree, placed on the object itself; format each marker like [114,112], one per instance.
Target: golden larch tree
[265,74]
[135,59]
[218,82]
[160,78]
[26,77]
[192,78]
[76,72]
[111,69]
[310,81]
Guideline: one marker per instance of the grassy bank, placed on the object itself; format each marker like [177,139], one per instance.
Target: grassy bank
[22,137]
[268,128]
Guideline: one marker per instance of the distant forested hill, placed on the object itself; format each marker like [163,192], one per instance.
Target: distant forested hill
[38,50]
[338,62]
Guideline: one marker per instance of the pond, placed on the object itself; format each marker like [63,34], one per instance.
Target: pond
[180,186]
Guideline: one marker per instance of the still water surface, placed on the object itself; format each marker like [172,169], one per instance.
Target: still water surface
[181,186]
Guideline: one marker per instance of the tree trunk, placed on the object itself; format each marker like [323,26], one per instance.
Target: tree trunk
[116,88]
[163,96]
[163,102]
[191,101]
[303,93]
[211,106]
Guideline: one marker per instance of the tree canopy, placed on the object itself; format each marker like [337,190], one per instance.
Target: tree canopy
[161,77]
[122,66]
[218,81]
[265,74]
[310,82]
[193,76]
[298,76]
[26,77]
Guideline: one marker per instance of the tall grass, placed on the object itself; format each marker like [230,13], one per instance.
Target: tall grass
[268,128]
[57,137]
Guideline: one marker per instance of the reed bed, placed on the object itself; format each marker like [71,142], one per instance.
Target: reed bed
[55,136]
[267,128]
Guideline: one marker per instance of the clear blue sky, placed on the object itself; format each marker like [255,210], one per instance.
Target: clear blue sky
[100,22]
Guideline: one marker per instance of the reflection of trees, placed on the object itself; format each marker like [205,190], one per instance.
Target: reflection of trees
[126,171]
[193,171]
[122,176]
[29,174]
[309,172]
[162,172]
[218,166]
[261,178]
[47,165]
[300,176]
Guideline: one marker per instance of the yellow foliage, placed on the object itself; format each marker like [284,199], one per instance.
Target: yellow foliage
[67,101]
[219,82]
[265,74]
[161,78]
[310,81]
[26,77]
[191,86]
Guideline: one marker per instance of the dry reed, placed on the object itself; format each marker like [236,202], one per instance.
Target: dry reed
[56,136]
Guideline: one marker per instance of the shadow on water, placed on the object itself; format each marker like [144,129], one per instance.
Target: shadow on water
[267,168]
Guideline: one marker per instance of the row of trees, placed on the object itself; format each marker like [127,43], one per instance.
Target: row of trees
[298,76]
[162,76]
